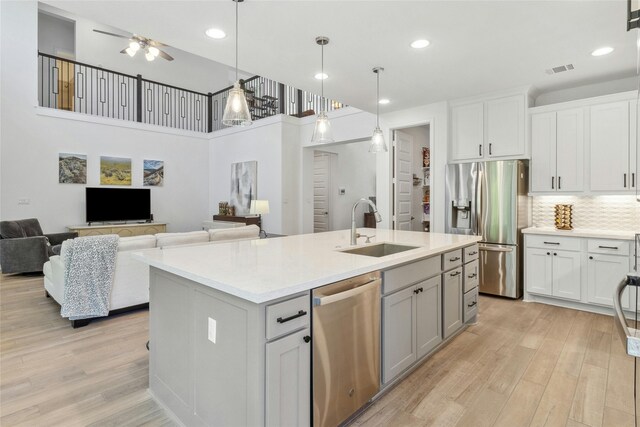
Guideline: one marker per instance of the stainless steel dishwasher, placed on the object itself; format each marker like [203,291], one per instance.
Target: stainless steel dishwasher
[346,347]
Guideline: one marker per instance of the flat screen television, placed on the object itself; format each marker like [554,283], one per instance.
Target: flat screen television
[118,204]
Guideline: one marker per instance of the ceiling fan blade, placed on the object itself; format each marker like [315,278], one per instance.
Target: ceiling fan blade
[112,34]
[157,43]
[165,55]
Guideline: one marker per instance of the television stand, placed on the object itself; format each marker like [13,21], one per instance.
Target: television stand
[122,230]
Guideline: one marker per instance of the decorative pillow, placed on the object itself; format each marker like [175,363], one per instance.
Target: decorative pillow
[237,233]
[11,230]
[136,243]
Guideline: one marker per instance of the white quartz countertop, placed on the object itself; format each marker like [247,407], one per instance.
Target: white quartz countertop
[262,270]
[583,232]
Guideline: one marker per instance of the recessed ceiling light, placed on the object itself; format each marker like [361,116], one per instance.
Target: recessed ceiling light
[383,101]
[602,51]
[419,44]
[215,33]
[321,76]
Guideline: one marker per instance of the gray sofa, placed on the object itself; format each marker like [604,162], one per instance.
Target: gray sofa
[24,248]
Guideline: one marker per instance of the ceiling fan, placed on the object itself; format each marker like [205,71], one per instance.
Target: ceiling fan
[138,43]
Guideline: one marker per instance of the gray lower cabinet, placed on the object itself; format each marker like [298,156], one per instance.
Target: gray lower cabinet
[216,359]
[411,326]
[288,380]
[452,301]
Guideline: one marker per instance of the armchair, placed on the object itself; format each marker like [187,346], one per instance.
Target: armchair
[24,248]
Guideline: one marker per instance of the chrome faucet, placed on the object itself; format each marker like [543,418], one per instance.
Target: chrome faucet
[354,234]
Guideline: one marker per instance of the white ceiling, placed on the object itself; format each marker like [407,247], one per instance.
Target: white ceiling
[476,46]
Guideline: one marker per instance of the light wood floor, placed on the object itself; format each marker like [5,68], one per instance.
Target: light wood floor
[522,365]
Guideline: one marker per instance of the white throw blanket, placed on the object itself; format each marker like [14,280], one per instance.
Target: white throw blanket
[89,266]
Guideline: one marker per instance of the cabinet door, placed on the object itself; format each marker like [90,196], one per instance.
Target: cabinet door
[609,129]
[570,150]
[634,147]
[452,301]
[604,274]
[539,271]
[428,328]
[543,152]
[505,127]
[398,333]
[288,380]
[567,275]
[467,131]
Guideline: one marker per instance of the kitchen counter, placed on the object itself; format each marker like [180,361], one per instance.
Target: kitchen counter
[266,269]
[583,232]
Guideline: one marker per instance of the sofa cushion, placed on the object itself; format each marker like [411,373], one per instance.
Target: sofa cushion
[31,227]
[46,269]
[238,233]
[172,239]
[136,243]
[11,230]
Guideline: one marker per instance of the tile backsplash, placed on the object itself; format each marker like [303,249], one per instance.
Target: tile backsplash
[593,212]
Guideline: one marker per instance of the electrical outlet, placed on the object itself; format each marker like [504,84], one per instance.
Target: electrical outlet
[212,330]
[24,201]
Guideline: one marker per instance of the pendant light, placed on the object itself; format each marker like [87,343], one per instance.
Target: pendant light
[322,132]
[377,140]
[236,112]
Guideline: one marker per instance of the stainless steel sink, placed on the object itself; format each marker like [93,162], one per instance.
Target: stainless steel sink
[380,249]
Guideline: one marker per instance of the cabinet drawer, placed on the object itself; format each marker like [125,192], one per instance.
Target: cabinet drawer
[287,316]
[611,247]
[398,278]
[451,259]
[471,275]
[470,305]
[550,242]
[470,253]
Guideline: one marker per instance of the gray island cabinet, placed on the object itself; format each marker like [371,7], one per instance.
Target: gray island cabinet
[230,323]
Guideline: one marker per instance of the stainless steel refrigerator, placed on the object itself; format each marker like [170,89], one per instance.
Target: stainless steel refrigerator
[489,199]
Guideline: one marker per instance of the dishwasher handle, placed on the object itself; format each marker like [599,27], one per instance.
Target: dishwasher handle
[629,336]
[328,299]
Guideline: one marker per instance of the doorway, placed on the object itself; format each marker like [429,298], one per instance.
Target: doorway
[412,179]
[323,164]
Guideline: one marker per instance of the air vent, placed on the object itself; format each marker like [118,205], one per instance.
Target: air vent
[560,69]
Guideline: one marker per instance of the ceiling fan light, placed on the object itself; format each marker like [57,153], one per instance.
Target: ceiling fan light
[322,133]
[134,46]
[149,56]
[130,52]
[154,51]
[236,111]
[377,142]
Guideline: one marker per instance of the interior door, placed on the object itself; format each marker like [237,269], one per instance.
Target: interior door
[321,191]
[403,146]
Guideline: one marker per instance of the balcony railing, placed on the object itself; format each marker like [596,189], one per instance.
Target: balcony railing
[73,86]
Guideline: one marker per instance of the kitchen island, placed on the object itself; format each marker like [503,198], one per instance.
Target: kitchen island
[230,322]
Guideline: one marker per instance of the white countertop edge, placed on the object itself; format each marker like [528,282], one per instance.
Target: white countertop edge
[577,232]
[394,260]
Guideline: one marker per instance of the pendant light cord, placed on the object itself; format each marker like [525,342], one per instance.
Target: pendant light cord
[322,76]
[378,98]
[236,40]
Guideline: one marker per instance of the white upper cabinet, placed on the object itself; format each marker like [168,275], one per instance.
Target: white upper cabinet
[504,135]
[557,151]
[494,128]
[468,131]
[610,166]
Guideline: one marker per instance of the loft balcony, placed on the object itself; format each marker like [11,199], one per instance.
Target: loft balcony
[82,88]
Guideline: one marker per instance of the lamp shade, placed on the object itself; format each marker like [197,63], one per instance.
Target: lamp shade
[236,112]
[322,132]
[377,142]
[259,207]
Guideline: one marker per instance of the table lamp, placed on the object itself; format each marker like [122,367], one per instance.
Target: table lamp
[259,207]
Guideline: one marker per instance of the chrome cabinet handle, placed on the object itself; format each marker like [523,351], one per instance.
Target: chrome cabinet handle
[630,338]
